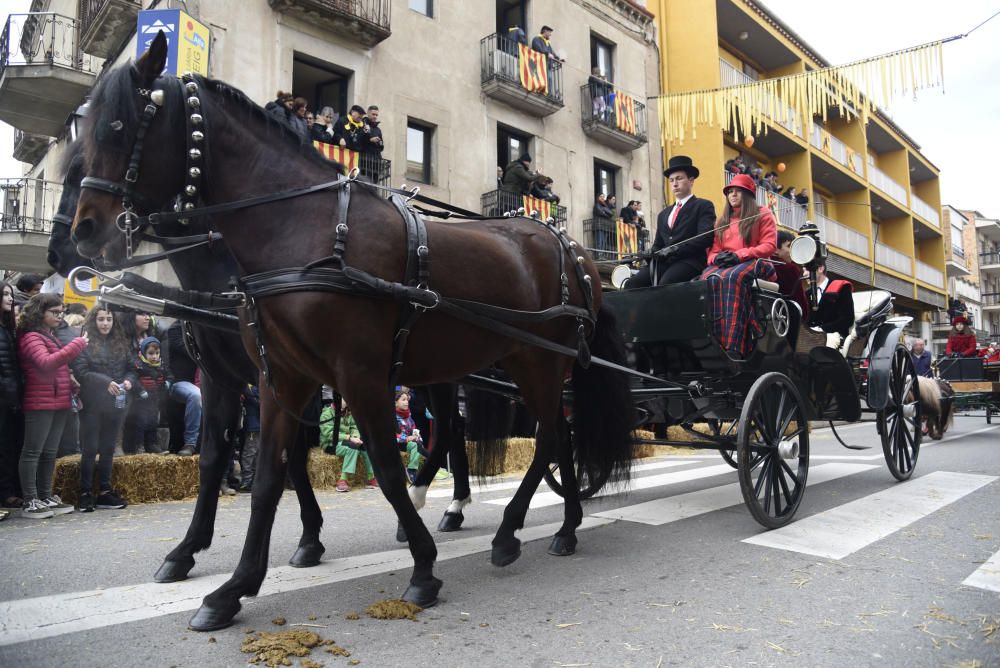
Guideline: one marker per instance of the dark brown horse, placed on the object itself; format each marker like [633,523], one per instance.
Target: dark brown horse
[347,340]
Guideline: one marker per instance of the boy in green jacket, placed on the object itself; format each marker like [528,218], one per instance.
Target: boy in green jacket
[349,445]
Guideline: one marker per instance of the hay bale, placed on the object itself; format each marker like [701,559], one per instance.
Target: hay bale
[139,478]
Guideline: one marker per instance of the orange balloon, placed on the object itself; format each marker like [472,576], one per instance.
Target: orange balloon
[748,140]
[781,166]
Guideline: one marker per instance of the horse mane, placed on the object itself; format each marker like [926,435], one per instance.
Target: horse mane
[72,160]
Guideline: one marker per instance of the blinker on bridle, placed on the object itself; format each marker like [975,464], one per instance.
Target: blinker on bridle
[128,220]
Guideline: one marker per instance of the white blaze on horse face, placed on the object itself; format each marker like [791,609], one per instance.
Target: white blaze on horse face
[457,504]
[418,495]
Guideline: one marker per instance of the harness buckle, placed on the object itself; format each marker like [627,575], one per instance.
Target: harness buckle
[423,307]
[132,175]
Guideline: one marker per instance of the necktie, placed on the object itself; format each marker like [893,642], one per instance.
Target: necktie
[673,216]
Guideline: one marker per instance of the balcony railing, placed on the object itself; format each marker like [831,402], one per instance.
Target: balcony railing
[105,24]
[500,202]
[365,21]
[926,211]
[836,149]
[601,236]
[785,116]
[988,259]
[375,168]
[991,299]
[886,184]
[888,256]
[500,76]
[789,213]
[28,205]
[43,39]
[612,117]
[958,251]
[929,274]
[842,236]
[28,147]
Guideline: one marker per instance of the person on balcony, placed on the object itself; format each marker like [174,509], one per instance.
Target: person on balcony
[790,193]
[542,189]
[323,127]
[630,212]
[802,198]
[601,208]
[683,231]
[542,44]
[372,145]
[600,90]
[515,36]
[518,177]
[745,239]
[961,341]
[349,131]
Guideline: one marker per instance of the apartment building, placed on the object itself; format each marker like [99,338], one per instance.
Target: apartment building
[445,76]
[871,191]
[982,244]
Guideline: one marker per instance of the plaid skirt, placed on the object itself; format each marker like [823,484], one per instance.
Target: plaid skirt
[733,316]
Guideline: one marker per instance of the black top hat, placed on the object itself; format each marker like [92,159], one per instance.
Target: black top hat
[681,162]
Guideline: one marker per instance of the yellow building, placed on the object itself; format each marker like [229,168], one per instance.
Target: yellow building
[870,190]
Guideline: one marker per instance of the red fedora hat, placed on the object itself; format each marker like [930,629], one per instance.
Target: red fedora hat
[742,181]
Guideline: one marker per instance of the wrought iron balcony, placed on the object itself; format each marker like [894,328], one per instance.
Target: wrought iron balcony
[500,202]
[612,118]
[989,263]
[43,72]
[29,148]
[375,168]
[500,62]
[364,21]
[105,24]
[26,208]
[991,301]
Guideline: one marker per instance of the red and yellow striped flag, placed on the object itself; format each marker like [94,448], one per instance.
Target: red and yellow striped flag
[534,69]
[628,238]
[345,156]
[625,112]
[543,207]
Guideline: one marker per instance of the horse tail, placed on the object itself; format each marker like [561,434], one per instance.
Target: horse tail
[489,418]
[947,405]
[603,414]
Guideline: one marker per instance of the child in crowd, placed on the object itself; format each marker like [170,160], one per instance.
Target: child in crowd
[349,445]
[154,382]
[407,435]
[251,436]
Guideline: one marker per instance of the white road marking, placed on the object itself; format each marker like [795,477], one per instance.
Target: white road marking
[682,506]
[841,531]
[541,500]
[59,614]
[447,491]
[986,576]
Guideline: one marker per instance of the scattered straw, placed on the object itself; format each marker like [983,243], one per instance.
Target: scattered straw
[309,663]
[352,616]
[273,649]
[279,621]
[337,650]
[393,608]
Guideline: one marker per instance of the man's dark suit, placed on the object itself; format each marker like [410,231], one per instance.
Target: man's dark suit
[697,216]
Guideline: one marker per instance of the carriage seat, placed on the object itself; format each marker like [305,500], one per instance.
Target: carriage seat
[871,308]
[770,286]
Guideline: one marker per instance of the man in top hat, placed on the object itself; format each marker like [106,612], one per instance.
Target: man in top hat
[683,231]
[835,311]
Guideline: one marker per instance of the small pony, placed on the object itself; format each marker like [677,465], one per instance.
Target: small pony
[937,398]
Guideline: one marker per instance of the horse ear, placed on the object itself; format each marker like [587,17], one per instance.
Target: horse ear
[150,65]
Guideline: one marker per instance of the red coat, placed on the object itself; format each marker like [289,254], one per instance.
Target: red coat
[46,371]
[763,239]
[963,344]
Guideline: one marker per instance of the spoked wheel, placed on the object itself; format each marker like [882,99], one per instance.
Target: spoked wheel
[729,456]
[588,482]
[772,450]
[900,421]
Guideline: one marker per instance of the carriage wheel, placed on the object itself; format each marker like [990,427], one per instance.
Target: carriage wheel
[589,482]
[772,450]
[900,421]
[729,456]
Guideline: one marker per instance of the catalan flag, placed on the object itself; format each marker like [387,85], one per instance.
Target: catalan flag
[345,156]
[534,69]
[625,112]
[628,238]
[543,207]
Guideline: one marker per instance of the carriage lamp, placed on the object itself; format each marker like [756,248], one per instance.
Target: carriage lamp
[73,120]
[808,248]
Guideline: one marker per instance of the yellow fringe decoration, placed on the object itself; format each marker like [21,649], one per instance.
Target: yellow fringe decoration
[856,89]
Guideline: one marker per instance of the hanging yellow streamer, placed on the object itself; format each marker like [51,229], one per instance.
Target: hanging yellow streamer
[856,89]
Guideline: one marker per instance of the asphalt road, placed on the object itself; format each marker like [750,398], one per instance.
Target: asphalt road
[674,573]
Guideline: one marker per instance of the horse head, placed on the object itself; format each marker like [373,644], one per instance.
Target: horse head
[62,254]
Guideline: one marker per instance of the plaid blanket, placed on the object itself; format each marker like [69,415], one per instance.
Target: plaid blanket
[734,318]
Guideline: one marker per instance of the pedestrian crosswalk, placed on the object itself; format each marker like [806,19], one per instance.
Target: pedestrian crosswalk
[986,576]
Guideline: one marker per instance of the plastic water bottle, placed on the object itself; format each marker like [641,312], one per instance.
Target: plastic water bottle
[120,398]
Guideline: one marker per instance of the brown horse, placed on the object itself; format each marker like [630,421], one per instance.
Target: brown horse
[137,153]
[937,397]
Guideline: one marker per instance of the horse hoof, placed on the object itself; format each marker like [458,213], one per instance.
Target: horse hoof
[451,521]
[400,534]
[563,546]
[174,571]
[209,618]
[504,555]
[307,555]
[424,595]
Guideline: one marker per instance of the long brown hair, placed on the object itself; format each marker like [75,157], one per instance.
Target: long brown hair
[7,317]
[115,341]
[32,318]
[749,214]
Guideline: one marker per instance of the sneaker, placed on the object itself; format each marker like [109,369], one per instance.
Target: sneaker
[342,486]
[110,501]
[226,490]
[246,488]
[442,474]
[56,505]
[4,514]
[186,451]
[36,510]
[86,504]
[372,484]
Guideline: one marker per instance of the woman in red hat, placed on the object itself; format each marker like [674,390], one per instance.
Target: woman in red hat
[961,341]
[745,239]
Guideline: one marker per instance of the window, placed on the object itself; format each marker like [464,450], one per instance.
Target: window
[511,145]
[605,179]
[322,83]
[418,151]
[512,13]
[602,57]
[425,7]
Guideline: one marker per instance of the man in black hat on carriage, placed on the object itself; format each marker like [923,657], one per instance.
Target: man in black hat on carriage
[683,231]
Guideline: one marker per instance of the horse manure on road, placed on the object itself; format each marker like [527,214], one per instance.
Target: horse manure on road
[352,616]
[393,608]
[279,621]
[274,649]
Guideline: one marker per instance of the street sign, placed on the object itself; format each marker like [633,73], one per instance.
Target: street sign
[188,40]
[71,296]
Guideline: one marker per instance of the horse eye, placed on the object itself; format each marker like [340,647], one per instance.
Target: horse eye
[117,125]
